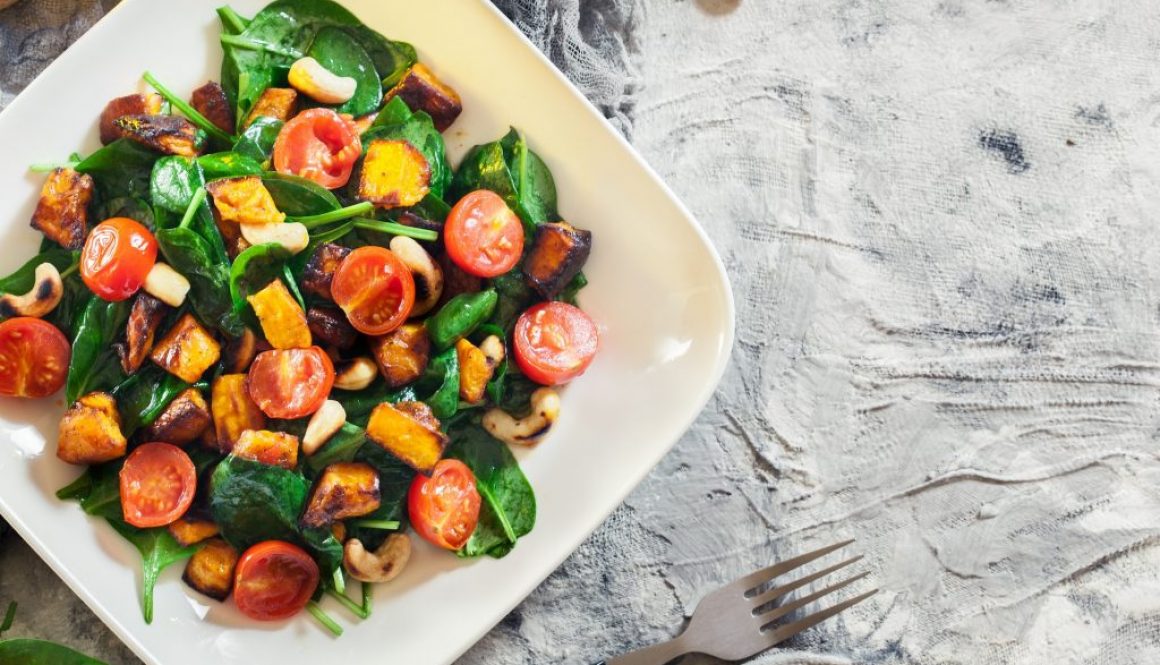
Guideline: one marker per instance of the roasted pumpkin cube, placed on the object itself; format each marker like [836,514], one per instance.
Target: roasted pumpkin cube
[244,200]
[182,421]
[145,316]
[394,174]
[558,252]
[402,354]
[272,448]
[210,100]
[190,530]
[320,269]
[420,412]
[240,351]
[344,490]
[90,431]
[147,104]
[170,134]
[398,432]
[187,350]
[422,90]
[62,213]
[211,569]
[283,321]
[330,326]
[278,103]
[475,371]
[233,410]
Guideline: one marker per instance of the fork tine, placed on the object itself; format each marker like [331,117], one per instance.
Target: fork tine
[775,613]
[790,629]
[756,579]
[763,598]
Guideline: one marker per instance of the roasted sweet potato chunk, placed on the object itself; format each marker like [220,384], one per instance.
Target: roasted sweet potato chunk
[394,174]
[62,213]
[273,448]
[211,569]
[420,412]
[169,134]
[413,441]
[210,100]
[420,88]
[319,272]
[145,316]
[233,410]
[191,530]
[277,103]
[90,431]
[148,104]
[244,200]
[474,371]
[183,421]
[330,326]
[402,354]
[187,350]
[344,490]
[283,321]
[558,252]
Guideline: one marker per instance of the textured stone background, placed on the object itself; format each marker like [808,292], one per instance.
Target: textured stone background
[939,220]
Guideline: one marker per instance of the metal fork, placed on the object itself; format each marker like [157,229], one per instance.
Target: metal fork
[739,620]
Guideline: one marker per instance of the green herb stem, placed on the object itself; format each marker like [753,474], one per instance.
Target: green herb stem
[395,228]
[339,581]
[194,204]
[232,20]
[238,41]
[46,167]
[368,593]
[10,616]
[385,525]
[349,604]
[69,270]
[188,111]
[323,618]
[314,221]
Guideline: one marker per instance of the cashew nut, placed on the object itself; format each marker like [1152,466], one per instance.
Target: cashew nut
[327,420]
[355,374]
[493,350]
[530,429]
[291,235]
[382,565]
[309,77]
[44,296]
[166,284]
[426,272]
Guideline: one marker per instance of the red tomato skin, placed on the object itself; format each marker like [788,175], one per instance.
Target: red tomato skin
[319,145]
[117,257]
[567,329]
[254,592]
[142,472]
[451,490]
[483,213]
[359,280]
[290,397]
[34,357]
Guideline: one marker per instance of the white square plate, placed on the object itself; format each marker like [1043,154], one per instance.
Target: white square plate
[658,290]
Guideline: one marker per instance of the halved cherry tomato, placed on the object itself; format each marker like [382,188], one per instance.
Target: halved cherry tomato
[375,289]
[274,580]
[320,145]
[483,236]
[444,508]
[118,255]
[554,342]
[34,358]
[290,383]
[158,482]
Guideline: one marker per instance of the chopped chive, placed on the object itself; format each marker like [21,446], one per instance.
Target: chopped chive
[368,593]
[339,581]
[313,221]
[188,111]
[231,19]
[194,204]
[323,618]
[69,270]
[395,228]
[9,617]
[386,525]
[332,234]
[45,167]
[251,45]
[349,604]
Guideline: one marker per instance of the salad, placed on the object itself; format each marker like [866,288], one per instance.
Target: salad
[291,336]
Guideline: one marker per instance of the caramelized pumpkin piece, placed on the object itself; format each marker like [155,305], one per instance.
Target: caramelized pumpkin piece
[145,316]
[283,321]
[211,569]
[558,252]
[344,490]
[320,269]
[278,103]
[183,421]
[169,134]
[233,410]
[187,350]
[402,354]
[90,431]
[394,174]
[422,90]
[411,438]
[475,371]
[244,200]
[138,104]
[266,447]
[210,100]
[190,530]
[330,326]
[62,213]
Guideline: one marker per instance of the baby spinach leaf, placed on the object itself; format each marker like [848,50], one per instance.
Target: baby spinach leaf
[509,168]
[174,181]
[340,53]
[22,279]
[515,296]
[299,197]
[252,502]
[143,396]
[98,490]
[339,448]
[39,652]
[209,278]
[94,364]
[158,551]
[122,168]
[127,206]
[572,289]
[228,165]
[392,58]
[484,167]
[255,268]
[257,141]
[359,404]
[443,371]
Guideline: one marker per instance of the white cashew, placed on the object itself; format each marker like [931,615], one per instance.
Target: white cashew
[426,272]
[325,422]
[355,374]
[530,429]
[309,77]
[166,284]
[47,290]
[383,565]
[493,350]
[291,235]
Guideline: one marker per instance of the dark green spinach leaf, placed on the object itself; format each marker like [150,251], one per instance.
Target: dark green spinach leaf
[122,168]
[254,269]
[23,651]
[257,141]
[143,396]
[94,364]
[209,279]
[341,54]
[299,197]
[229,165]
[252,502]
[158,551]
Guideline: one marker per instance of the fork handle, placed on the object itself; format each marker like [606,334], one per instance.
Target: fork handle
[657,654]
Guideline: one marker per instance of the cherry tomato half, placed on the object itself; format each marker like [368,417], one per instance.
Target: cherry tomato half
[320,145]
[554,342]
[117,257]
[444,508]
[483,236]
[158,482]
[290,383]
[34,358]
[375,289]
[274,580]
